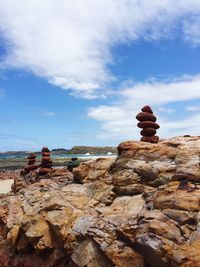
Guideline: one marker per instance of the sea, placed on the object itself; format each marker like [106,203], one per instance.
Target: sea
[67,156]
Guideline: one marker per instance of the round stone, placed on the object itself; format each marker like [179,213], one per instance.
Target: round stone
[147,109]
[145,116]
[146,139]
[150,139]
[45,154]
[154,139]
[148,124]
[148,132]
[45,149]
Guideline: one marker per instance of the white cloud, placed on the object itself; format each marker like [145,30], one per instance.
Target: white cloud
[192,30]
[118,121]
[49,114]
[166,110]
[193,108]
[69,42]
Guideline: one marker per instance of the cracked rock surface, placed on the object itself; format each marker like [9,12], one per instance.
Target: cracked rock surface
[128,211]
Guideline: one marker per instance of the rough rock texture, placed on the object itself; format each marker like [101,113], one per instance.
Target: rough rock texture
[5,175]
[127,211]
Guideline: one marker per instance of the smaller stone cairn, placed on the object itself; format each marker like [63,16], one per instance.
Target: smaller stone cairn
[46,164]
[147,121]
[31,163]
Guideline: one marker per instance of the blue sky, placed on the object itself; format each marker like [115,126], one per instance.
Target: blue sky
[68,78]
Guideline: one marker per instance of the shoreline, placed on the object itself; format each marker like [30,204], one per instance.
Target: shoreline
[10,168]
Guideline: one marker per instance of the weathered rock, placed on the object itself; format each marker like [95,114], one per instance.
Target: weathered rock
[124,211]
[187,255]
[5,175]
[61,176]
[93,170]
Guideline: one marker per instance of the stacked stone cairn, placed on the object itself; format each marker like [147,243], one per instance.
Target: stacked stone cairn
[46,164]
[147,121]
[31,163]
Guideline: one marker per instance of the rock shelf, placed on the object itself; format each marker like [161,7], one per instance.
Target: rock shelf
[128,211]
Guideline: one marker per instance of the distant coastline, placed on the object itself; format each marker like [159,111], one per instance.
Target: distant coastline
[62,152]
[15,160]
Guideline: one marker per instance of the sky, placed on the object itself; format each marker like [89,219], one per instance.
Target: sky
[78,72]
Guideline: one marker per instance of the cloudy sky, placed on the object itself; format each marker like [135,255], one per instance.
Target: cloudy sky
[77,72]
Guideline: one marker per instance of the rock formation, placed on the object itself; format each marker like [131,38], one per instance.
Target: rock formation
[46,164]
[127,211]
[147,123]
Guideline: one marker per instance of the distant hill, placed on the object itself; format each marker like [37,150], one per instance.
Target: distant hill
[92,149]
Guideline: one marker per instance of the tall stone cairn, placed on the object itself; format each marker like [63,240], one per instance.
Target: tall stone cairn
[147,121]
[31,163]
[46,164]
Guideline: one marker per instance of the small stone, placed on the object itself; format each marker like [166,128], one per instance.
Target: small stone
[147,109]
[148,132]
[148,124]
[45,149]
[151,139]
[144,116]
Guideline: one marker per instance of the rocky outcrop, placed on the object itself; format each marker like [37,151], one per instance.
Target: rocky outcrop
[124,211]
[5,175]
[147,123]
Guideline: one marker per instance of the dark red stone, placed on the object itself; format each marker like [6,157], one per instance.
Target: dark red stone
[154,139]
[147,109]
[30,168]
[45,149]
[31,157]
[146,139]
[151,139]
[148,124]
[45,154]
[44,170]
[145,116]
[45,159]
[31,162]
[148,132]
